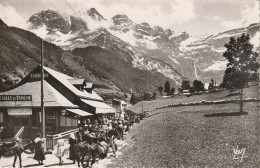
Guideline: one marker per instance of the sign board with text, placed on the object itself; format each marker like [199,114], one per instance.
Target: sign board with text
[38,76]
[15,97]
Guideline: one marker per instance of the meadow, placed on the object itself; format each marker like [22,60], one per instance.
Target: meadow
[187,137]
[249,92]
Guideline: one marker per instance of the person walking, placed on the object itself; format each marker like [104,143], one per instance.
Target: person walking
[72,142]
[39,149]
[60,149]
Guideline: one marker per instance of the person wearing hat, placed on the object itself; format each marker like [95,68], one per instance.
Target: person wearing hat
[39,149]
[60,149]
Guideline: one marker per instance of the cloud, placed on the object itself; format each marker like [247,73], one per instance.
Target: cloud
[183,11]
[11,17]
[250,14]
[177,12]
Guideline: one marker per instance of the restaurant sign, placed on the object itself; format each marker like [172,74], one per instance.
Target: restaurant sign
[19,111]
[15,97]
[38,76]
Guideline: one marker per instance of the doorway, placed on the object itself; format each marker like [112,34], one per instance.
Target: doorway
[16,122]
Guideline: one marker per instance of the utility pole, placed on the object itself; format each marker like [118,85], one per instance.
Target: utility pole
[42,94]
[142,103]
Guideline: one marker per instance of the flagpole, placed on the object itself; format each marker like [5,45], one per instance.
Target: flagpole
[42,94]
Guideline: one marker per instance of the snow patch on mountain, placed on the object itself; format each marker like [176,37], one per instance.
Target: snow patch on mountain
[192,48]
[220,49]
[64,39]
[217,66]
[176,34]
[154,65]
[174,60]
[131,39]
[193,43]
[226,35]
[41,31]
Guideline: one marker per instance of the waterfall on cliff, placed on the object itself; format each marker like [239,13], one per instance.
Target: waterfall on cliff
[195,70]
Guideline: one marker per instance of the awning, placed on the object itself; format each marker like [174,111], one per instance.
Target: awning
[79,112]
[101,107]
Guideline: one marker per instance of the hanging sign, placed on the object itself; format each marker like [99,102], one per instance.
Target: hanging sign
[15,97]
[19,111]
[38,76]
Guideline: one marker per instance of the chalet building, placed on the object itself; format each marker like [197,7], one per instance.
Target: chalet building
[66,100]
[120,106]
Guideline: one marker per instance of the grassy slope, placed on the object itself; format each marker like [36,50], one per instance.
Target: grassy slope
[183,136]
[252,91]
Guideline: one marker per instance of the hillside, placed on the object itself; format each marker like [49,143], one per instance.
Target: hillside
[112,66]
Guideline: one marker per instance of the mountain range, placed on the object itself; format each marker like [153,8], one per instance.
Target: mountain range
[119,52]
[21,51]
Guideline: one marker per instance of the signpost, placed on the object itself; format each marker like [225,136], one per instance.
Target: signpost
[42,95]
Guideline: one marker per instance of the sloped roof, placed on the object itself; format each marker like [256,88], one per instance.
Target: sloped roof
[121,101]
[64,79]
[52,98]
[79,112]
[76,81]
[101,107]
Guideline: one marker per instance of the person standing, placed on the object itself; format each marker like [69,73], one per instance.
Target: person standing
[72,142]
[80,134]
[60,149]
[39,149]
[17,150]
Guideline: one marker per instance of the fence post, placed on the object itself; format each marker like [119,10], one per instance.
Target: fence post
[49,142]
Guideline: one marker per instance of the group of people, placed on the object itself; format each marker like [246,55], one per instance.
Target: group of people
[88,132]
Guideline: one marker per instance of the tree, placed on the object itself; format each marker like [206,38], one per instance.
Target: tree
[133,99]
[192,89]
[229,79]
[180,90]
[147,96]
[241,65]
[154,95]
[167,88]
[185,85]
[198,85]
[172,91]
[160,89]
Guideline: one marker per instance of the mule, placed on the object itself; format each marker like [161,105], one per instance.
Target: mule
[15,149]
[96,150]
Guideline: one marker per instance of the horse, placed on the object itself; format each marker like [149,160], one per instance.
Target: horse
[82,150]
[94,147]
[15,149]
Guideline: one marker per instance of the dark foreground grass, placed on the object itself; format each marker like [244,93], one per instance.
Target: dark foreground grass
[184,137]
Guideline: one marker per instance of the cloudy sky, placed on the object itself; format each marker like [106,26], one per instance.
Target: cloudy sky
[193,16]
